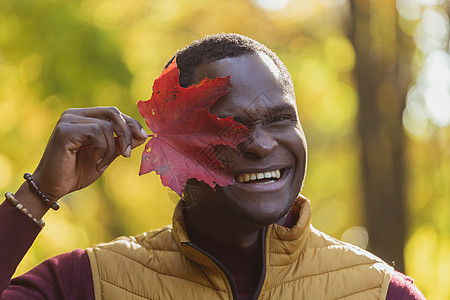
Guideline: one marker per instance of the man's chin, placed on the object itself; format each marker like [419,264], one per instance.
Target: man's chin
[259,217]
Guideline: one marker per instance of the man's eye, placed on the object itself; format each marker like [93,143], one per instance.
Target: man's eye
[278,119]
[238,120]
[281,118]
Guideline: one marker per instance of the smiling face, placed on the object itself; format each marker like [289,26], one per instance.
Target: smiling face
[270,167]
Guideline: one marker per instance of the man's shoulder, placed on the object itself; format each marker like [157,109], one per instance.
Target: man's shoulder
[156,239]
[400,286]
[338,255]
[319,239]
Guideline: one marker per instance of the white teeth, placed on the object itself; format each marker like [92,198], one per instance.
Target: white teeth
[240,178]
[245,177]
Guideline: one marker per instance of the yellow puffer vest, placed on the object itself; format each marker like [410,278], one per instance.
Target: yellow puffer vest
[300,263]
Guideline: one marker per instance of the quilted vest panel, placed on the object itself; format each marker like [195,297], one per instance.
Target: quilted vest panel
[301,263]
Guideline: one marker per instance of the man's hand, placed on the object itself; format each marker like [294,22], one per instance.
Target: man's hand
[83,144]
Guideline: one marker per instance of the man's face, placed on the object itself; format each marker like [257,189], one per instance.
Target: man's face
[276,147]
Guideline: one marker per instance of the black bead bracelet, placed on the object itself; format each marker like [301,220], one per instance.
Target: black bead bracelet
[37,191]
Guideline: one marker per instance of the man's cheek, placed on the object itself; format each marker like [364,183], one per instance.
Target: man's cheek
[228,156]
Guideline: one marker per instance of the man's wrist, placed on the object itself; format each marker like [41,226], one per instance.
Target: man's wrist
[29,199]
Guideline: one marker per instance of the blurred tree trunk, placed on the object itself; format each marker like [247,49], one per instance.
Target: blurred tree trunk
[381,76]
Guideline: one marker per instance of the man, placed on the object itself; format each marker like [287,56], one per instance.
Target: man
[249,240]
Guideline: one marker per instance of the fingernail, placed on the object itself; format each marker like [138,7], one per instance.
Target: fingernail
[144,133]
[99,160]
[103,169]
[128,151]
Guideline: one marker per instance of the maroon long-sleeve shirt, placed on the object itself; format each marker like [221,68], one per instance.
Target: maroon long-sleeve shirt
[68,276]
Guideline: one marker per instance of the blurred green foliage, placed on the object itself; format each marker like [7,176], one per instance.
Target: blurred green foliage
[60,54]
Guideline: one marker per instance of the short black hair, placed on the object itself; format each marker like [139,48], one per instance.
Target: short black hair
[219,46]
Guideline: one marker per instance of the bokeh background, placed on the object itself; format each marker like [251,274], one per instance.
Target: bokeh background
[372,80]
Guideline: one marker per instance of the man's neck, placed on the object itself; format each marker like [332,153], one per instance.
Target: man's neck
[244,264]
[227,231]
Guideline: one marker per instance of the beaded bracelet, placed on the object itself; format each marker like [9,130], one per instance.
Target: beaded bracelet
[13,201]
[37,191]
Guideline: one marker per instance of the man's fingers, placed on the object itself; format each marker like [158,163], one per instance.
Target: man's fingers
[79,136]
[122,130]
[129,132]
[80,132]
[107,131]
[83,144]
[99,125]
[139,133]
[115,118]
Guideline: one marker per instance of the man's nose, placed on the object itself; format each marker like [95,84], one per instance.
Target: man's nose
[260,143]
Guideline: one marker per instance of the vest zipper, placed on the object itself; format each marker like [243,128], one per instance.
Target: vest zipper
[263,269]
[221,267]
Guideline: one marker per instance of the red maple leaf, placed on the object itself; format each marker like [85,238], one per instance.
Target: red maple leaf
[185,133]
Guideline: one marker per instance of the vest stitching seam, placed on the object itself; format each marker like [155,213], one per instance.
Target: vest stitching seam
[318,247]
[122,288]
[158,272]
[145,237]
[165,250]
[361,291]
[325,246]
[307,276]
[158,232]
[294,241]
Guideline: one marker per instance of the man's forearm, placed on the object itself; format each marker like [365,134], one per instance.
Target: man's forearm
[17,234]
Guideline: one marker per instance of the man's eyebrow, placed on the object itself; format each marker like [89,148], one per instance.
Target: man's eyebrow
[280,108]
[283,107]
[266,112]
